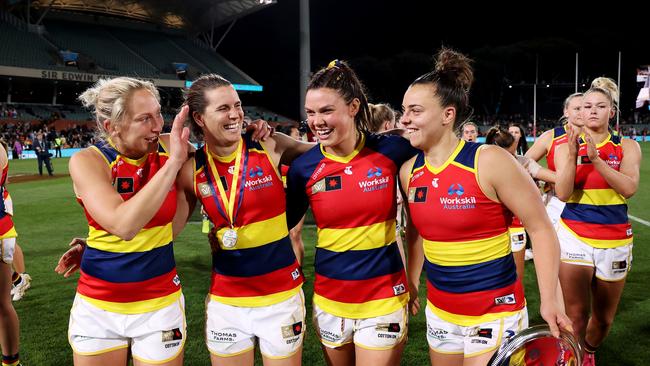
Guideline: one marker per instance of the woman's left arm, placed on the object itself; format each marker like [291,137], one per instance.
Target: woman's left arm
[511,185]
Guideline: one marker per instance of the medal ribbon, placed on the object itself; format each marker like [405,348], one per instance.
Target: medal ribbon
[228,203]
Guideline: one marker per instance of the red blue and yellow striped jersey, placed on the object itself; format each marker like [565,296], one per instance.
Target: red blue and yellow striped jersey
[595,212]
[7,229]
[471,275]
[261,269]
[559,138]
[358,269]
[138,275]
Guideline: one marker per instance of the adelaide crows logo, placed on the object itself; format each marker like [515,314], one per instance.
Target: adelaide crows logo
[418,194]
[124,185]
[333,183]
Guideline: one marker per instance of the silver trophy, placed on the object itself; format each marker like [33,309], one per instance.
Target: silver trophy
[537,346]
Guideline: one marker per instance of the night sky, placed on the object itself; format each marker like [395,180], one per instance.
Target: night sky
[390,43]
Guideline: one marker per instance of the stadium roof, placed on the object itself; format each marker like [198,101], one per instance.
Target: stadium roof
[200,15]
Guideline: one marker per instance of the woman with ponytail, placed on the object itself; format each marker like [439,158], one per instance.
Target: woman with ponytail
[460,195]
[349,179]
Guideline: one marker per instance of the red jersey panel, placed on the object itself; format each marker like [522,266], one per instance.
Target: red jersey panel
[470,269]
[262,268]
[138,275]
[595,212]
[359,271]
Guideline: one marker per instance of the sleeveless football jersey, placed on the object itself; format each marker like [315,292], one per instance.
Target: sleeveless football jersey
[7,229]
[138,275]
[471,275]
[595,212]
[358,268]
[559,138]
[261,269]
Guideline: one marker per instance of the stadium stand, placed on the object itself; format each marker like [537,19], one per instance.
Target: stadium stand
[108,52]
[23,49]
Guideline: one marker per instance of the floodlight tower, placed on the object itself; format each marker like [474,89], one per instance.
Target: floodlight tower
[305,54]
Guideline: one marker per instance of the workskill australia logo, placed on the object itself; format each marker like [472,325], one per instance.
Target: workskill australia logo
[257,180]
[375,180]
[456,199]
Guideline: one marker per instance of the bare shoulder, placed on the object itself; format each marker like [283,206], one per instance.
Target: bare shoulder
[405,171]
[87,159]
[630,145]
[407,165]
[493,154]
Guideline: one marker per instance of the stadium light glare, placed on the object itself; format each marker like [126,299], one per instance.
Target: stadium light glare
[238,87]
[248,87]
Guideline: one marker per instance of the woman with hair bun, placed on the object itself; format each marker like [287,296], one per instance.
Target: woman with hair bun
[460,195]
[129,298]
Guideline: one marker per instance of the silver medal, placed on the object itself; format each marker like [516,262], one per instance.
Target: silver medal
[229,238]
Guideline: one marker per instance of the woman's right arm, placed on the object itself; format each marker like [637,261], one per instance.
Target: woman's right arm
[540,146]
[415,258]
[566,160]
[92,183]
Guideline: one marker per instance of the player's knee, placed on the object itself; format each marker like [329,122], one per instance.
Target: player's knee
[602,321]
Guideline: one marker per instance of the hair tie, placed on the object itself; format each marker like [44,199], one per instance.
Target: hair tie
[334,63]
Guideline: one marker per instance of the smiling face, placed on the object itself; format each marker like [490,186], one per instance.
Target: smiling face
[330,118]
[221,120]
[424,118]
[138,133]
[596,111]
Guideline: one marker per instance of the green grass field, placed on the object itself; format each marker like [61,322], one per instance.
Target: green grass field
[47,217]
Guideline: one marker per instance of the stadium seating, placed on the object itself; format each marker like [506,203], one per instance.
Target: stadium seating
[23,49]
[108,52]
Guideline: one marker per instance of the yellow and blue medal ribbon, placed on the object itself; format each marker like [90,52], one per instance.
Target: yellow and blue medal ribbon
[229,203]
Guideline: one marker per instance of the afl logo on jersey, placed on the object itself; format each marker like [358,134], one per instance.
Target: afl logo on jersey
[204,190]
